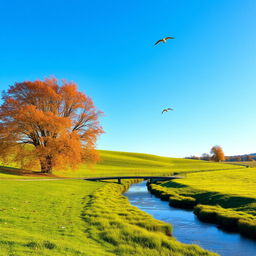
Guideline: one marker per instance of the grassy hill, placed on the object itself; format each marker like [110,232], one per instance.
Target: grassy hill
[114,163]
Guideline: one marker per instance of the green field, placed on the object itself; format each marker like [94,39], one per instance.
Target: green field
[75,217]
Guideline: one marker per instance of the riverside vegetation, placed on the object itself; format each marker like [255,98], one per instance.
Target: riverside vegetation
[227,198]
[76,217]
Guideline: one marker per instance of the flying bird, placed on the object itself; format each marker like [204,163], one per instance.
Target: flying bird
[164,40]
[166,110]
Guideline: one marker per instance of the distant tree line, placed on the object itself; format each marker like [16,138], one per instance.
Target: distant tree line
[241,158]
[216,154]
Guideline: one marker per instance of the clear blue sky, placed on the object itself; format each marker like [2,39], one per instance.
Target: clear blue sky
[207,74]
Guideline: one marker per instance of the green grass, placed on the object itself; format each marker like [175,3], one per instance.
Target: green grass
[115,163]
[75,217]
[251,164]
[128,230]
[43,218]
[235,182]
[227,198]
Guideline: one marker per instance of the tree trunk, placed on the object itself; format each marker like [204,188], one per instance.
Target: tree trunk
[46,165]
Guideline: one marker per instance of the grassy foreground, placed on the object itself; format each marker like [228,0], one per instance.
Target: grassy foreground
[75,217]
[43,218]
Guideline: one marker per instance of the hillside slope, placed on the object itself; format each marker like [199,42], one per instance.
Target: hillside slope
[115,163]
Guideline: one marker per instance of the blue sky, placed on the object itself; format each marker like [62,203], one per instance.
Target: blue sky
[207,74]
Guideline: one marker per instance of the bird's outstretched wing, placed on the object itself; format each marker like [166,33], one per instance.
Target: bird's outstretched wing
[169,37]
[166,110]
[161,40]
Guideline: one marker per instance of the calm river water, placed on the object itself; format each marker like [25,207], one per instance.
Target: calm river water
[187,228]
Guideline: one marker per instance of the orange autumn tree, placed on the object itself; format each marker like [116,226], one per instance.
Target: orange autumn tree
[217,154]
[59,122]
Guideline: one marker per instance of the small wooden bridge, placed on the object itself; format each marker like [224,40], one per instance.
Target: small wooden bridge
[151,178]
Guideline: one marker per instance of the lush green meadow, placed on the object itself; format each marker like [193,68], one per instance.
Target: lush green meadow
[75,217]
[44,218]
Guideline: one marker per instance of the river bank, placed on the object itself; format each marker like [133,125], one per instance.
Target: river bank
[226,198]
[129,231]
[186,226]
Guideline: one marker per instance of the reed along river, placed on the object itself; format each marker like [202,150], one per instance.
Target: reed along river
[187,228]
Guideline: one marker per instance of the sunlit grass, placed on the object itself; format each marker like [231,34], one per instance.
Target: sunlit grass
[74,217]
[240,182]
[43,218]
[251,164]
[128,230]
[114,163]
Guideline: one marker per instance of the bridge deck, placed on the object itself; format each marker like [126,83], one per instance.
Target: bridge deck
[134,177]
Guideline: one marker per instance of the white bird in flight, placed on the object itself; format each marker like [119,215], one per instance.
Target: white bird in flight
[164,40]
[166,110]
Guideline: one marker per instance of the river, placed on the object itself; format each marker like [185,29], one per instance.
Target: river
[187,228]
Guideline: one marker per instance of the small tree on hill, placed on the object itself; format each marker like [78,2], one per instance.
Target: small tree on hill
[217,154]
[58,122]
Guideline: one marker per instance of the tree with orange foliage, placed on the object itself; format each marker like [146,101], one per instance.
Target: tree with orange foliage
[217,154]
[59,122]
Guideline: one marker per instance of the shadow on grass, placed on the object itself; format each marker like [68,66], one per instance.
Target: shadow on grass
[22,172]
[226,201]
[171,184]
[215,198]
[12,170]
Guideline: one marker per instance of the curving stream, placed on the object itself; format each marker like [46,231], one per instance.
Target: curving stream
[187,228]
